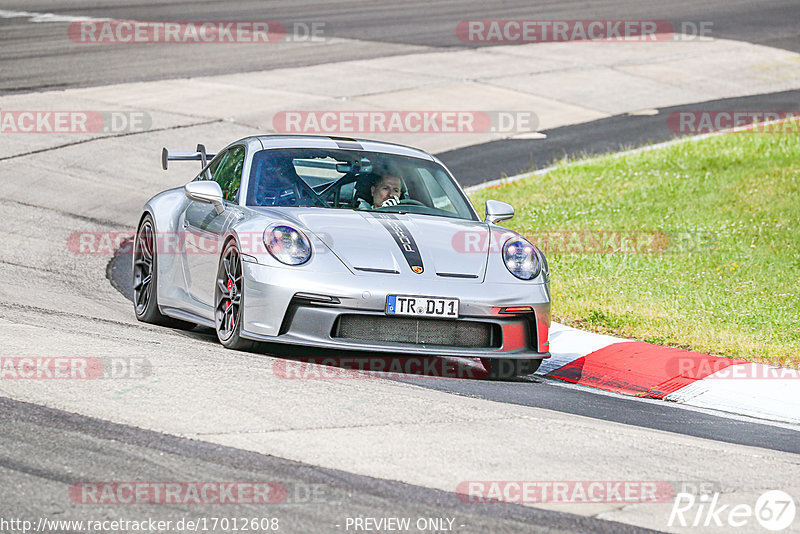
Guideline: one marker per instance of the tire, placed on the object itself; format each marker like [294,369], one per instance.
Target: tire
[145,279]
[229,299]
[504,369]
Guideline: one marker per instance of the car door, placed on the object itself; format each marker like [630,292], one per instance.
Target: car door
[204,227]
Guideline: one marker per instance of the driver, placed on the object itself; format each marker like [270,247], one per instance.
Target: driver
[385,192]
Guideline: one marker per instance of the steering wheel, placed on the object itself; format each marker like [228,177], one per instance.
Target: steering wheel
[411,202]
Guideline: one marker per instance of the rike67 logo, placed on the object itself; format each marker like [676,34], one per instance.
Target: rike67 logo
[774,510]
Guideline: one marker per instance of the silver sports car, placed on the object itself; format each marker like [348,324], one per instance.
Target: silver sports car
[341,244]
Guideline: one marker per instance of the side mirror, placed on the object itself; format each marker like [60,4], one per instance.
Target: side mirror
[497,211]
[205,191]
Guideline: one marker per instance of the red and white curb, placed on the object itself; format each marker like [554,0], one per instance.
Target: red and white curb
[652,371]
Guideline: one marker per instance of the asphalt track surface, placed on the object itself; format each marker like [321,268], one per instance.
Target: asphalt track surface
[552,395]
[40,56]
[45,450]
[316,498]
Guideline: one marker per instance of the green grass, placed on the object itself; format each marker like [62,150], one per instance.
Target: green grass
[721,275]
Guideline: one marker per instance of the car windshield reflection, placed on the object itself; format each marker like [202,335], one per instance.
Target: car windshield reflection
[354,180]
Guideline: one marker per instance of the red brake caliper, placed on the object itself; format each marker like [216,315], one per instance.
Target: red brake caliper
[230,286]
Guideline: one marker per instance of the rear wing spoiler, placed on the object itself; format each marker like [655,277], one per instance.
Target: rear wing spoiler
[199,155]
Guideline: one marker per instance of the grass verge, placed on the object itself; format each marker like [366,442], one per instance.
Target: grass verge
[694,245]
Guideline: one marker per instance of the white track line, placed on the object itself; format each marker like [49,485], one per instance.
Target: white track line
[708,410]
[46,17]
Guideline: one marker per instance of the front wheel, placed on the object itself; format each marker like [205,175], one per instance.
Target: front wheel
[145,279]
[228,296]
[504,369]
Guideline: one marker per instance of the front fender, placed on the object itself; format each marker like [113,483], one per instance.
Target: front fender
[165,209]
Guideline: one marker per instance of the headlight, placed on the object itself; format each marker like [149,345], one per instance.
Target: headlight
[521,259]
[287,245]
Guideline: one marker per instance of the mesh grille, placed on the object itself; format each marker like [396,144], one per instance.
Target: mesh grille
[418,331]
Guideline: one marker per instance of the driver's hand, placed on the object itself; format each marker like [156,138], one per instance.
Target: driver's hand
[391,201]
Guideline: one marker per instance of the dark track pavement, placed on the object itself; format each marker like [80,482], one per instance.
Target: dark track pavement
[508,157]
[46,451]
[38,56]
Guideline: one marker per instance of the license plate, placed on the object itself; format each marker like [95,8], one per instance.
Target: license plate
[422,306]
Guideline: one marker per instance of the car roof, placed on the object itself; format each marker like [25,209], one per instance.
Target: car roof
[346,143]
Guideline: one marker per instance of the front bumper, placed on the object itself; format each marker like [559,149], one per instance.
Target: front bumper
[274,313]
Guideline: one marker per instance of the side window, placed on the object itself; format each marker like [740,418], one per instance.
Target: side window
[438,194]
[213,167]
[227,172]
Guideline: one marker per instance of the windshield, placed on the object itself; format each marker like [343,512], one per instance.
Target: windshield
[354,179]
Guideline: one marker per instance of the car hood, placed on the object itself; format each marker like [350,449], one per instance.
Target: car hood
[371,243]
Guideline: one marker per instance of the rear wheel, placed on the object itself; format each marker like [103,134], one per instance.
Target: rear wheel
[229,299]
[145,279]
[503,369]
